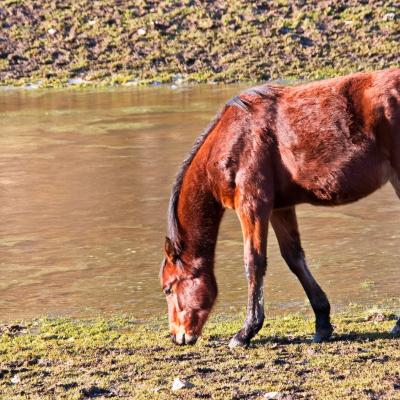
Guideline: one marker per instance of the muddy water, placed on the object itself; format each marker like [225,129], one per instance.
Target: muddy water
[84,185]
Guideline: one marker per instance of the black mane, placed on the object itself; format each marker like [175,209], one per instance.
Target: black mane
[173,223]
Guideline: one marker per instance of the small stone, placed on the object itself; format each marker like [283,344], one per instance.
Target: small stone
[51,31]
[15,379]
[272,395]
[179,384]
[75,81]
[177,79]
[389,17]
[141,31]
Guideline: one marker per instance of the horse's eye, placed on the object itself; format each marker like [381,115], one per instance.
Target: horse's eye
[167,291]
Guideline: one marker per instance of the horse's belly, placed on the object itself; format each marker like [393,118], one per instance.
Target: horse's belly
[355,181]
[349,182]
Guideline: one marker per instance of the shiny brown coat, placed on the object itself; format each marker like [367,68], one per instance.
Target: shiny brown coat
[327,143]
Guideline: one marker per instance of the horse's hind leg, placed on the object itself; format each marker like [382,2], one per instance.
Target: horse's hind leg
[284,222]
[253,215]
[395,181]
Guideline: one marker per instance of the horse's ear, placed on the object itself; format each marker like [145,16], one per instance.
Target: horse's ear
[170,251]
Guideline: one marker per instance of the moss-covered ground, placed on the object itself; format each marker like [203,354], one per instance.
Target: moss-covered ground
[85,42]
[123,358]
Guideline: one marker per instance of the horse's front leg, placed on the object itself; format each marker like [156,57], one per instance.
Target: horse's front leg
[254,222]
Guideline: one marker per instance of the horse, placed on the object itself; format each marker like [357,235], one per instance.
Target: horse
[271,147]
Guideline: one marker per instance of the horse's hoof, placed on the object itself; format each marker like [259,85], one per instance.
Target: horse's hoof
[238,342]
[322,335]
[396,330]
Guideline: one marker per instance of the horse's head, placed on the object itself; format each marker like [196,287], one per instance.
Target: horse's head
[191,290]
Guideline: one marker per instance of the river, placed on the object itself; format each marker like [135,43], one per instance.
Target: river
[84,184]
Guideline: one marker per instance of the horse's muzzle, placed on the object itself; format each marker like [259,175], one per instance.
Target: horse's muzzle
[183,338]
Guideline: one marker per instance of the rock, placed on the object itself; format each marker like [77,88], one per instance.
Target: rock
[389,17]
[141,31]
[32,86]
[377,316]
[177,79]
[15,379]
[273,395]
[75,81]
[51,31]
[179,384]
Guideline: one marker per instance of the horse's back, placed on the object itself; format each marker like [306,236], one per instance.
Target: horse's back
[324,142]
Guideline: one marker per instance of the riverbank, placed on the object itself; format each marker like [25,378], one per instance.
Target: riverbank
[122,358]
[84,43]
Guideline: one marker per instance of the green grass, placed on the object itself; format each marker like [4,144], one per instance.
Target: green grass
[122,358]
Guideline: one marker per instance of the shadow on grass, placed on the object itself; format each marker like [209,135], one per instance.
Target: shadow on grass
[345,337]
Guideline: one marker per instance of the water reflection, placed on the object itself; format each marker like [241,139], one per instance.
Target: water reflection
[84,185]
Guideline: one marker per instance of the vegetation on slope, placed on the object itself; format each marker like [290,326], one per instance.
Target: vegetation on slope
[58,42]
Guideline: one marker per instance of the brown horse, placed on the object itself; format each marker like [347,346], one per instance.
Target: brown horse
[271,147]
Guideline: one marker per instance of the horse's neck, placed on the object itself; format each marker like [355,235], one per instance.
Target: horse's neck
[199,215]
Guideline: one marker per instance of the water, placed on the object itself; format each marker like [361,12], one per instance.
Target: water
[84,184]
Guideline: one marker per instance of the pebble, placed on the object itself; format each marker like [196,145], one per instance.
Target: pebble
[179,384]
[31,86]
[141,31]
[75,81]
[51,31]
[272,395]
[15,379]
[389,17]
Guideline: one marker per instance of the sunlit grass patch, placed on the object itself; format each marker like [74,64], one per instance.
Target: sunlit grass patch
[122,357]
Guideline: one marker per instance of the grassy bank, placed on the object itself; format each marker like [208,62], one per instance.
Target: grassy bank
[120,358]
[85,42]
